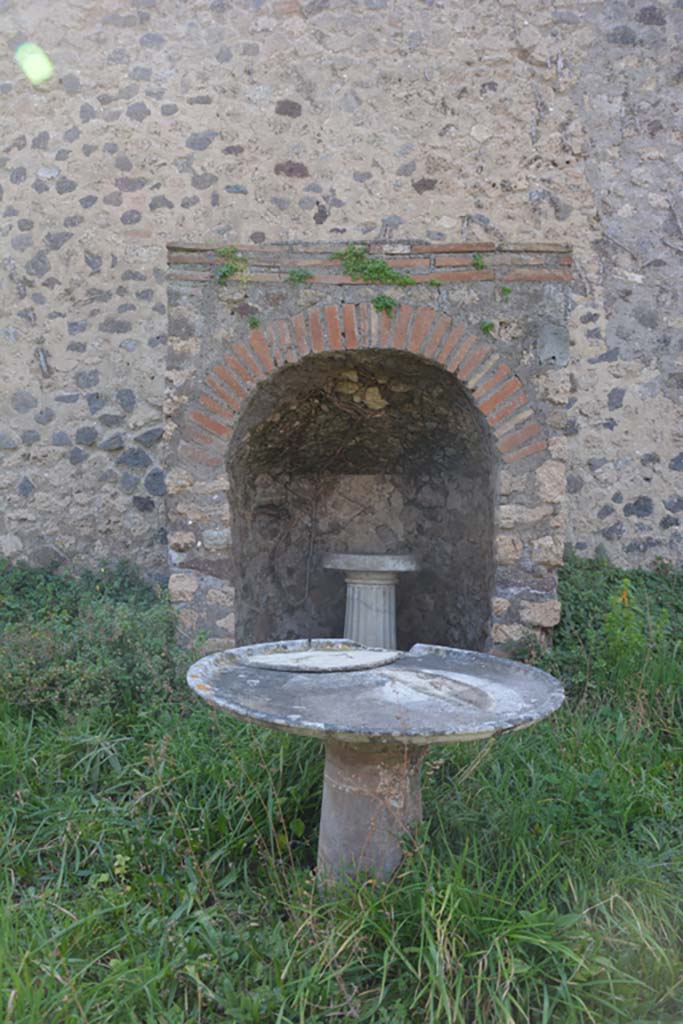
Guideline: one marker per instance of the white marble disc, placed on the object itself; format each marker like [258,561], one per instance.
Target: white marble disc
[321,659]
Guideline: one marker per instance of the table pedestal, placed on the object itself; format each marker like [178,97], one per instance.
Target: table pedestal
[371,799]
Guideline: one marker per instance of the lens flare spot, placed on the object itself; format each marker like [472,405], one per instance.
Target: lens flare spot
[34,62]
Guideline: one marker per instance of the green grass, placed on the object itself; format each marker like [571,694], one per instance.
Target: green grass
[156,857]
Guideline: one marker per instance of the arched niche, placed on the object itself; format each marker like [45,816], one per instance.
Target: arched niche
[371,452]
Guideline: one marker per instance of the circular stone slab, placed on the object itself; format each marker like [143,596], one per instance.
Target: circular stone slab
[317,656]
[428,695]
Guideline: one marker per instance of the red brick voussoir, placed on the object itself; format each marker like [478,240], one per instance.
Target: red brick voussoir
[495,389]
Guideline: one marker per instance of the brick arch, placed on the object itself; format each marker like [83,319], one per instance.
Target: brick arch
[528,538]
[496,391]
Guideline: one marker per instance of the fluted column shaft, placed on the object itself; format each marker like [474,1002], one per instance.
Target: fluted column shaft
[371,608]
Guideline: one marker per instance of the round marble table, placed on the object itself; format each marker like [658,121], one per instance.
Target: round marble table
[376,712]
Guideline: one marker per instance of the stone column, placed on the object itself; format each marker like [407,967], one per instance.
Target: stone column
[371,799]
[371,595]
[371,609]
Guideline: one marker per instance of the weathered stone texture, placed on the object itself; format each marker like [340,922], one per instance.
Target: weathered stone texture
[274,120]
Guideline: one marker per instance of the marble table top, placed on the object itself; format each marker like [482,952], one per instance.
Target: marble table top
[338,689]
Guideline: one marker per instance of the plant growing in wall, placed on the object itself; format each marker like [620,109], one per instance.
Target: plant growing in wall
[359,266]
[385,304]
[299,275]
[486,326]
[234,265]
[478,261]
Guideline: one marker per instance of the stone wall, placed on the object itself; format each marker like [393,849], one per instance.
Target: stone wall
[324,121]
